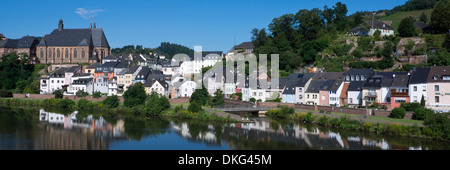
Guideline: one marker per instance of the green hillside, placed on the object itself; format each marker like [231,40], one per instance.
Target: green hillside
[397,17]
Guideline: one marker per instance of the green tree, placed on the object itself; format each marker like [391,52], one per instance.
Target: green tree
[97,94]
[15,72]
[135,95]
[58,94]
[422,101]
[440,16]
[309,23]
[195,107]
[259,37]
[423,17]
[156,104]
[406,27]
[283,24]
[81,93]
[358,17]
[218,99]
[200,95]
[398,113]
[340,10]
[328,14]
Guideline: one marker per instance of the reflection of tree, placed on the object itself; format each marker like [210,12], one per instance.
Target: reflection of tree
[17,119]
[137,128]
[195,128]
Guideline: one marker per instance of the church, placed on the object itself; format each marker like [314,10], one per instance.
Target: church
[66,46]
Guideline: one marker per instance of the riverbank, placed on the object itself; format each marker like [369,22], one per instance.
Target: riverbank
[353,122]
[67,106]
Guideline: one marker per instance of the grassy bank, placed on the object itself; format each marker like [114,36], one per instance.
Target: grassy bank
[66,106]
[438,130]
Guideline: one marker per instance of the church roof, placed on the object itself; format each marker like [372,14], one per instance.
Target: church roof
[76,37]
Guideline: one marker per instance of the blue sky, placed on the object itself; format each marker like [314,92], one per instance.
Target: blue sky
[216,25]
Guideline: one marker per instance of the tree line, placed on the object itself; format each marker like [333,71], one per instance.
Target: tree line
[299,37]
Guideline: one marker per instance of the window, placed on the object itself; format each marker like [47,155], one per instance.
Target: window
[350,100]
[353,78]
[357,78]
[58,53]
[42,53]
[74,53]
[49,53]
[415,88]
[347,78]
[401,100]
[436,99]
[67,53]
[307,96]
[436,87]
[83,53]
[445,77]
[300,89]
[415,99]
[424,88]
[300,97]
[323,97]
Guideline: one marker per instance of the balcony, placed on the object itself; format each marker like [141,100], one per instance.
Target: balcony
[371,94]
[394,93]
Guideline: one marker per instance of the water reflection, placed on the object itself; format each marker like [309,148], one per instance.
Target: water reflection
[19,129]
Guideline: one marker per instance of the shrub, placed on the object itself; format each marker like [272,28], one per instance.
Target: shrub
[357,52]
[83,104]
[379,128]
[421,113]
[398,113]
[59,94]
[280,112]
[4,93]
[367,126]
[323,120]
[81,93]
[309,118]
[66,103]
[195,107]
[439,124]
[111,101]
[410,106]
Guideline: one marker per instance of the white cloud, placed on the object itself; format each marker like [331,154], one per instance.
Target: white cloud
[87,13]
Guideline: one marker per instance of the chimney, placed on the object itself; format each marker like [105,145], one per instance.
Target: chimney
[90,24]
[60,25]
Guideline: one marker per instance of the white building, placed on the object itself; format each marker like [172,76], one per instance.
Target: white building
[53,82]
[112,87]
[187,88]
[418,85]
[84,84]
[157,85]
[335,94]
[71,90]
[385,29]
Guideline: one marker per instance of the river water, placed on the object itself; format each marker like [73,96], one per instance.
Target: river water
[38,129]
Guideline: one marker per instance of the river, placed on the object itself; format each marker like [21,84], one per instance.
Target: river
[38,129]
